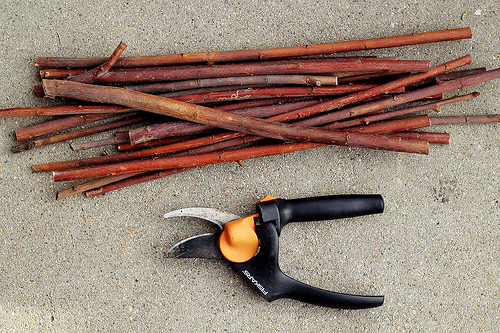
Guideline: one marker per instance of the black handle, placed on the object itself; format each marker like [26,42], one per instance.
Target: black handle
[262,272]
[294,289]
[331,207]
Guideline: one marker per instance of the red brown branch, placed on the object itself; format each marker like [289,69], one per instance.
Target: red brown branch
[436,138]
[56,125]
[62,110]
[92,75]
[230,121]
[293,66]
[259,54]
[473,119]
[78,133]
[259,80]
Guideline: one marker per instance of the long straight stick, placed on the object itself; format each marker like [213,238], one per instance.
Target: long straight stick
[230,121]
[259,80]
[260,54]
[294,66]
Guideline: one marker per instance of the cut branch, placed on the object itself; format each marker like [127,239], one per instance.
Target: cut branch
[230,121]
[163,130]
[92,75]
[436,138]
[78,133]
[56,125]
[293,66]
[261,80]
[475,119]
[62,110]
[259,54]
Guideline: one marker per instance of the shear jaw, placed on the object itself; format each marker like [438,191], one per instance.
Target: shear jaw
[215,216]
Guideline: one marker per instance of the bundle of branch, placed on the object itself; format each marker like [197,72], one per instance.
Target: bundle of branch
[219,107]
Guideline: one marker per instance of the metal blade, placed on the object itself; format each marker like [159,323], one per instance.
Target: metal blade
[201,246]
[215,216]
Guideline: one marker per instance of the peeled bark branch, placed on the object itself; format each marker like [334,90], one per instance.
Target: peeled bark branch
[260,54]
[119,138]
[436,138]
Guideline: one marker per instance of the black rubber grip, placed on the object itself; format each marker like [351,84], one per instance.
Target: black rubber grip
[262,272]
[331,207]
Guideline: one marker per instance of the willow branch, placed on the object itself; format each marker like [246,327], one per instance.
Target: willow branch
[261,80]
[263,93]
[436,138]
[119,138]
[92,75]
[159,131]
[396,113]
[78,133]
[229,121]
[474,119]
[63,110]
[92,184]
[379,90]
[132,155]
[56,125]
[260,54]
[293,66]
[363,109]
[132,180]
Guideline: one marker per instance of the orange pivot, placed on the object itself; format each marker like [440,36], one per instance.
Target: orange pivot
[238,241]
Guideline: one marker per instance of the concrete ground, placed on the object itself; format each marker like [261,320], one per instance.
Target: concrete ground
[97,264]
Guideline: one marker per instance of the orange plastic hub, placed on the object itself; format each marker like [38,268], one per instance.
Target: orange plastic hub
[238,241]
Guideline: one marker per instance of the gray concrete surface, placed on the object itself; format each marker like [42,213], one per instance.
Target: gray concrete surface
[97,264]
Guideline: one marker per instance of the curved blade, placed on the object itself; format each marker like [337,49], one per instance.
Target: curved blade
[201,246]
[215,216]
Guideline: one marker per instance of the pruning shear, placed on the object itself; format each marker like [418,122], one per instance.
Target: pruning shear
[250,244]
